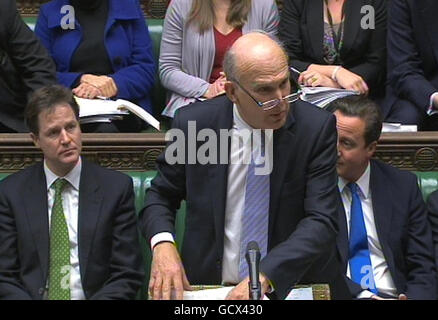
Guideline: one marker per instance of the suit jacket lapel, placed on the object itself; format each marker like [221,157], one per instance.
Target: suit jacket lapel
[38,214]
[90,200]
[382,199]
[428,12]
[315,27]
[218,174]
[352,24]
[284,144]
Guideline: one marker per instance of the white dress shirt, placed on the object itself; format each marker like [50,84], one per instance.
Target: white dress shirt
[382,276]
[235,200]
[70,204]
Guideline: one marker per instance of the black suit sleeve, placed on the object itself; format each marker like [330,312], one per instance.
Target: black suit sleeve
[405,73]
[289,31]
[28,56]
[315,235]
[432,207]
[126,275]
[421,281]
[374,59]
[164,196]
[11,287]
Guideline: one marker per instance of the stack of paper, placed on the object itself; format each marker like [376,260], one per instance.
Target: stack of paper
[97,110]
[322,96]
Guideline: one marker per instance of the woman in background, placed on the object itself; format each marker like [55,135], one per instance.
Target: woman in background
[196,35]
[108,53]
[333,43]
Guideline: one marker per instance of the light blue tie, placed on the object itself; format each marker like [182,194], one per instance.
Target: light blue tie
[255,218]
[359,255]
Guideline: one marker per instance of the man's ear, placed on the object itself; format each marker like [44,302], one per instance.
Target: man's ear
[230,90]
[35,139]
[371,149]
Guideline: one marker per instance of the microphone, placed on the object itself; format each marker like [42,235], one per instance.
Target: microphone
[253,259]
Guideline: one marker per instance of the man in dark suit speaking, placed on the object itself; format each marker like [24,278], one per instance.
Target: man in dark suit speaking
[67,226]
[289,208]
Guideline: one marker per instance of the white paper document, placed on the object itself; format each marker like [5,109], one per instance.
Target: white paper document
[398,127]
[300,294]
[322,96]
[97,110]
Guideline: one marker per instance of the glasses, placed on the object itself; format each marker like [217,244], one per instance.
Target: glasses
[271,104]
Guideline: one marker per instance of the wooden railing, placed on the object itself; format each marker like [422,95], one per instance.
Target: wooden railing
[138,151]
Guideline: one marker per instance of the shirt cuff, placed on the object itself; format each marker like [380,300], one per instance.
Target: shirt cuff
[365,295]
[432,110]
[161,237]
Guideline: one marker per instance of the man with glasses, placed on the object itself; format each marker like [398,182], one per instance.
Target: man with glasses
[290,210]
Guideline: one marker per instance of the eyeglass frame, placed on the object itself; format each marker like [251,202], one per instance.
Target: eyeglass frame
[290,98]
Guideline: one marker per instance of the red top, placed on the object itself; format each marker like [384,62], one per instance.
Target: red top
[222,43]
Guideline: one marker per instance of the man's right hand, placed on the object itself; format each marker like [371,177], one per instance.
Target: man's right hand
[168,279]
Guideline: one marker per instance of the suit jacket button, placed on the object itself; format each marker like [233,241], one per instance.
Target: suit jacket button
[41,291]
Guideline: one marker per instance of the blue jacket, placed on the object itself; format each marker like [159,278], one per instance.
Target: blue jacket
[127,42]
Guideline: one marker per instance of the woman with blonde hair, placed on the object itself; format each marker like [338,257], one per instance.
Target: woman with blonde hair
[196,35]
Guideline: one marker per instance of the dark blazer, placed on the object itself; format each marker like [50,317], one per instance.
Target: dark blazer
[412,53]
[126,39]
[301,29]
[432,208]
[24,66]
[109,253]
[403,231]
[303,203]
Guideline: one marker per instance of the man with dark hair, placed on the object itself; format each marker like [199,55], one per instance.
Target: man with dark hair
[384,237]
[24,67]
[67,226]
[290,209]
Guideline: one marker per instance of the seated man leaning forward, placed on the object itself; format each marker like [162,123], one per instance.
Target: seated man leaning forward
[67,226]
[385,241]
[277,186]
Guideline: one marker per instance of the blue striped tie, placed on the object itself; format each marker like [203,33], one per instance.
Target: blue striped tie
[255,218]
[359,254]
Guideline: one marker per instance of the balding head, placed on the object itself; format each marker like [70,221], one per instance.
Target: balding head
[257,72]
[253,50]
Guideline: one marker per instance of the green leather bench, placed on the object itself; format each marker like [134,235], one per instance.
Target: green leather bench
[155,27]
[428,182]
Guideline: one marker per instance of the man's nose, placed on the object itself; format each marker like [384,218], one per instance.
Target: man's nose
[65,137]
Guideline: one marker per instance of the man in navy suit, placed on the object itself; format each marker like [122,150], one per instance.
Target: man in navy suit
[396,237]
[93,249]
[412,63]
[301,217]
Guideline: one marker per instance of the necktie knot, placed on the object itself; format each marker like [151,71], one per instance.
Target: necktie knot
[59,185]
[354,188]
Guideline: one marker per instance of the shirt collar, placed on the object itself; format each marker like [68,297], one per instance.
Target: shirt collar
[239,123]
[363,183]
[73,177]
